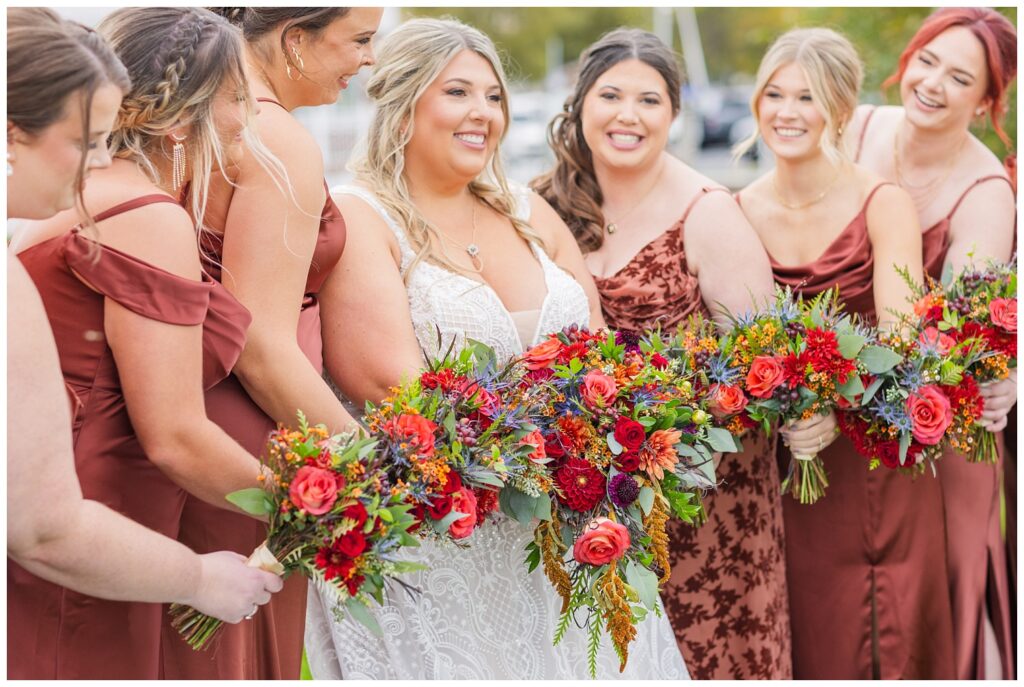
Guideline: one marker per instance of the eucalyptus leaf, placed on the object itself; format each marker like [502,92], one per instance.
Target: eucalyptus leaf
[542,511]
[850,345]
[444,523]
[721,440]
[878,359]
[614,445]
[644,582]
[253,501]
[646,500]
[361,613]
[904,446]
[872,389]
[851,388]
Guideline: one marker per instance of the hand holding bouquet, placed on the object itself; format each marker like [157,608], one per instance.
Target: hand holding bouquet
[332,516]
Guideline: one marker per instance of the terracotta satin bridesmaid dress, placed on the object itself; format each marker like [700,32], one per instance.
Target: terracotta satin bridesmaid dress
[269,646]
[726,598]
[866,564]
[53,632]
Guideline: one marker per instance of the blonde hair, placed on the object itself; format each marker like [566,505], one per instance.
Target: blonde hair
[408,61]
[834,73]
[179,58]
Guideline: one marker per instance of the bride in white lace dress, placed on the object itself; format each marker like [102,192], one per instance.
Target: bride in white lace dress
[433,248]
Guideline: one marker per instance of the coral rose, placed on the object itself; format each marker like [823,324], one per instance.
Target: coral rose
[463,501]
[541,355]
[417,430]
[726,399]
[314,490]
[629,433]
[925,304]
[1003,312]
[601,542]
[930,413]
[766,374]
[536,440]
[931,337]
[598,389]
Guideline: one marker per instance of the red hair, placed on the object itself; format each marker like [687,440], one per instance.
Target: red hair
[997,36]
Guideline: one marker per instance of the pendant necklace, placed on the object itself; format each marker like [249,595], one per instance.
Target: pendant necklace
[612,227]
[472,249]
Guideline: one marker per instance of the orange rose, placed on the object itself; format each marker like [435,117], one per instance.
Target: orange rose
[541,355]
[726,399]
[924,304]
[416,429]
[314,490]
[931,337]
[766,374]
[536,440]
[601,542]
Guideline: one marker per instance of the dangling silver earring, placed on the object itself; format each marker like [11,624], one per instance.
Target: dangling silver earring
[299,64]
[178,157]
[10,167]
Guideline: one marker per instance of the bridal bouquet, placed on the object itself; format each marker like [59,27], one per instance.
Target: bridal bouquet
[454,436]
[628,439]
[789,361]
[332,516]
[927,400]
[978,304]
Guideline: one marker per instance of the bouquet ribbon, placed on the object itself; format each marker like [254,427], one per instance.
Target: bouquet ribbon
[263,559]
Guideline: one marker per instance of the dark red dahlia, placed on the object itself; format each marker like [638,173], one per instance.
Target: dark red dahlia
[334,563]
[581,483]
[354,583]
[486,502]
[445,379]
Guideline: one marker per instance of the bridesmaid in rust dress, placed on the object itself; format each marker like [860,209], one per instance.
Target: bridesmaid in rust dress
[955,70]
[132,313]
[865,564]
[623,195]
[273,248]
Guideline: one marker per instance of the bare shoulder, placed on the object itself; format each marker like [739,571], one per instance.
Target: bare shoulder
[161,234]
[364,222]
[289,142]
[979,160]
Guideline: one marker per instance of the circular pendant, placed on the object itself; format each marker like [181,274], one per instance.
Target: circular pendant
[611,228]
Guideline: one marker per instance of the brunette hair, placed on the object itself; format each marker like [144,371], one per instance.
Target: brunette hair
[571,186]
[997,36]
[50,59]
[833,71]
[257,22]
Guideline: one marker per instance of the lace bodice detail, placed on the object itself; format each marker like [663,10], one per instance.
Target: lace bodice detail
[462,307]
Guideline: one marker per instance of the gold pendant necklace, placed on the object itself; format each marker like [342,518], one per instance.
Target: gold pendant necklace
[472,249]
[927,188]
[612,227]
[800,206]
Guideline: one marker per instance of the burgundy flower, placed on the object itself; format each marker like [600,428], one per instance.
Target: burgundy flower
[627,462]
[440,506]
[357,512]
[659,361]
[581,483]
[350,544]
[629,433]
[623,490]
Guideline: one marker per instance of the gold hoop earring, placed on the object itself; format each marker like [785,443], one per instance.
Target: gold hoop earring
[178,162]
[10,167]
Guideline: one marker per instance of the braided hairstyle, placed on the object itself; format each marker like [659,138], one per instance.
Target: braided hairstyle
[571,186]
[49,60]
[179,59]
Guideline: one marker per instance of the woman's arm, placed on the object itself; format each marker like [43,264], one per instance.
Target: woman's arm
[160,366]
[55,533]
[895,236]
[739,278]
[565,252]
[369,342]
[983,229]
[269,240]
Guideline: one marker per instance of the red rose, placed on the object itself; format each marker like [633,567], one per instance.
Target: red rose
[765,376]
[627,462]
[629,433]
[417,430]
[1003,312]
[601,542]
[726,399]
[930,413]
[659,361]
[439,506]
[464,501]
[419,514]
[598,389]
[314,490]
[541,355]
[931,337]
[351,544]
[453,484]
[357,512]
[582,484]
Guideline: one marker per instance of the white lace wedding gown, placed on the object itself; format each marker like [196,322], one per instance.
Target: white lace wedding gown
[479,614]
